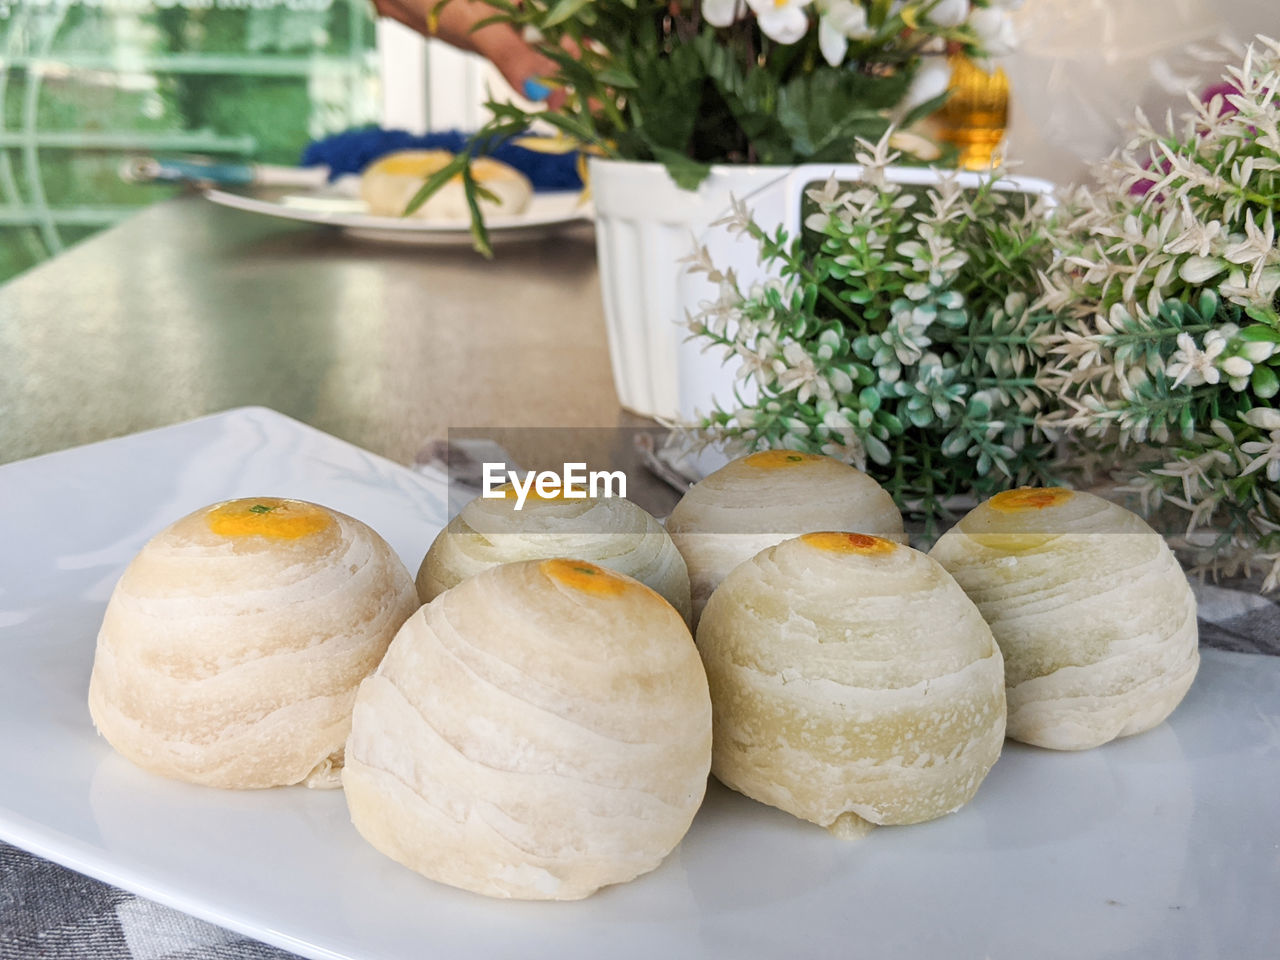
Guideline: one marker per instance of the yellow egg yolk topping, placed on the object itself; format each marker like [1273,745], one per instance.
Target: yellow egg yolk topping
[268,517]
[509,492]
[413,163]
[484,168]
[586,577]
[424,163]
[1030,498]
[777,459]
[849,543]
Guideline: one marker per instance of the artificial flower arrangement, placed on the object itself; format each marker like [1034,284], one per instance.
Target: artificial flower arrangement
[956,341]
[898,333]
[689,83]
[1167,362]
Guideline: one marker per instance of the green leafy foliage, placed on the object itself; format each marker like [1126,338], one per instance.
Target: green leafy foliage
[898,333]
[1167,363]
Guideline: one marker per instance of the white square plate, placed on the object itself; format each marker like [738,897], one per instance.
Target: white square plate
[1166,845]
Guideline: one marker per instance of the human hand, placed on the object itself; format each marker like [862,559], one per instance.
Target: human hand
[522,66]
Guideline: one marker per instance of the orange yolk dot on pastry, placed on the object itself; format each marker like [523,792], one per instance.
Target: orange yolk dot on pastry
[849,543]
[777,459]
[586,577]
[268,517]
[1030,498]
[509,493]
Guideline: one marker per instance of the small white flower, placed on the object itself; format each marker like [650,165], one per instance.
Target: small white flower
[849,449]
[1194,366]
[1267,454]
[699,260]
[759,362]
[738,220]
[801,374]
[1256,244]
[827,197]
[1196,236]
[783,21]
[874,158]
[948,13]
[723,13]
[995,31]
[841,21]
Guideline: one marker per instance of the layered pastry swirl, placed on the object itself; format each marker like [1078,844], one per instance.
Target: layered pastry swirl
[539,731]
[853,682]
[765,498]
[612,532]
[233,644]
[1091,608]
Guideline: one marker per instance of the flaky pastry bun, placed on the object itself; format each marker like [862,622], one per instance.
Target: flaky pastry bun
[853,682]
[610,531]
[1091,608]
[539,731]
[762,499]
[389,183]
[233,644]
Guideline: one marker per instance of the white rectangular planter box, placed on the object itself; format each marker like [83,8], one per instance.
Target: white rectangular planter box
[645,225]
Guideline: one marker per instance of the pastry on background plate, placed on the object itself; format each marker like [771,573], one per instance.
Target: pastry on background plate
[762,499]
[853,683]
[1091,608]
[539,731]
[233,644]
[389,183]
[610,531]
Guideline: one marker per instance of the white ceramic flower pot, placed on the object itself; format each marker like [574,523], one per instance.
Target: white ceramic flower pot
[645,225]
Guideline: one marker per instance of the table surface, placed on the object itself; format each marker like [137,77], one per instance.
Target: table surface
[189,308]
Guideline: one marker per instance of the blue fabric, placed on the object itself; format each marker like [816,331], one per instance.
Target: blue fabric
[353,150]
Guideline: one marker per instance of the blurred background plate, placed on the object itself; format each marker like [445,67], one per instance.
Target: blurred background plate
[338,205]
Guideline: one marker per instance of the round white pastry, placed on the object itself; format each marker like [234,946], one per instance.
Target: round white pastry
[762,499]
[852,681]
[389,183]
[1095,616]
[539,731]
[233,644]
[610,531]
